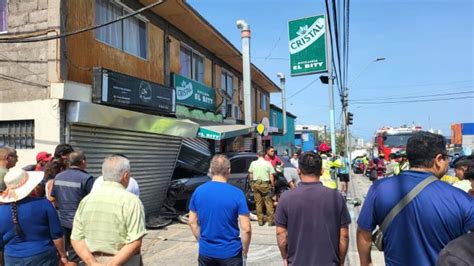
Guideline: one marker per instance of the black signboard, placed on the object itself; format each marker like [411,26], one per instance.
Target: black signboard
[127,92]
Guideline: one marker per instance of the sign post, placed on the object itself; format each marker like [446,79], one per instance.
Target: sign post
[310,53]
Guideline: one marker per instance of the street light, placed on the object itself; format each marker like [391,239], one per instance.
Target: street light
[378,59]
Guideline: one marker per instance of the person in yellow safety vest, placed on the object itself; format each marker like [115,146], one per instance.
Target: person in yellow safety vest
[326,178]
[404,164]
[365,161]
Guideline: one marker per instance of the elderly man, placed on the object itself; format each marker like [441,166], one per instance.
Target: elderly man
[110,223]
[216,209]
[8,159]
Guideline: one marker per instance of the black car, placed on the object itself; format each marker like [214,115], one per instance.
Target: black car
[186,180]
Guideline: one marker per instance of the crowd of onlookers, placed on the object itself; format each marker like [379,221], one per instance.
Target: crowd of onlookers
[55,213]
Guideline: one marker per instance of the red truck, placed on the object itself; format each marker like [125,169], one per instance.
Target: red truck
[390,140]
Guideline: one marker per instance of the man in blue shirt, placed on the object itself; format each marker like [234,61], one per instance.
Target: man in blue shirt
[216,208]
[437,215]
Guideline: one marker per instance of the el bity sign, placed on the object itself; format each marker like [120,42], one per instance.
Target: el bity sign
[307,45]
[194,94]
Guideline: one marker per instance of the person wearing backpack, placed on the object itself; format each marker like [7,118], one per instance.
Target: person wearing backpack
[418,214]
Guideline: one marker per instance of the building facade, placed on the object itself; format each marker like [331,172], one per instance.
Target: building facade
[145,86]
[282,142]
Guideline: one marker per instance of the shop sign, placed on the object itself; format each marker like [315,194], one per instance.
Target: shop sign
[208,134]
[194,94]
[307,45]
[127,92]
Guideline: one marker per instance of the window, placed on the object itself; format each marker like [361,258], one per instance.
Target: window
[238,166]
[192,64]
[224,107]
[18,134]
[263,101]
[274,120]
[3,16]
[129,35]
[237,112]
[227,88]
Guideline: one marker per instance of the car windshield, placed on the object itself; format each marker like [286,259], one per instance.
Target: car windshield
[399,140]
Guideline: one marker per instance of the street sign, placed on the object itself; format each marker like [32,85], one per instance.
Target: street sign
[307,44]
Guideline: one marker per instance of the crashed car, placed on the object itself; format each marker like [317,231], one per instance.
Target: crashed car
[187,177]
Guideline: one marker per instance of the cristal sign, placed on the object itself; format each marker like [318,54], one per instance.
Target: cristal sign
[307,45]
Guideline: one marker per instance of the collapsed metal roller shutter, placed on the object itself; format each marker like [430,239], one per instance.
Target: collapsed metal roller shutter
[152,158]
[193,153]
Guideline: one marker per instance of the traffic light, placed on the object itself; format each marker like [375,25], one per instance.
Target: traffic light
[324,79]
[349,118]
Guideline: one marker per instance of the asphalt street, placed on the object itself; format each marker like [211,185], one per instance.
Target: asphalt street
[175,245]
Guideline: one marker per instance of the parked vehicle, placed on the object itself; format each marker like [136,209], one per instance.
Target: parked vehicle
[358,165]
[186,180]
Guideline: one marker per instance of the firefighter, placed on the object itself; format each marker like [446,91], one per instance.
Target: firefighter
[326,178]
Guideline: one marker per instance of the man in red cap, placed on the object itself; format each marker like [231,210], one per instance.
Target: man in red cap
[41,159]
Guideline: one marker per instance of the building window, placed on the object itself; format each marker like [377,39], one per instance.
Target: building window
[192,64]
[274,120]
[129,35]
[3,16]
[18,134]
[224,107]
[237,113]
[227,88]
[263,101]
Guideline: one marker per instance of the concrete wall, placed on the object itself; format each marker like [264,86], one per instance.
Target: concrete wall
[26,69]
[45,114]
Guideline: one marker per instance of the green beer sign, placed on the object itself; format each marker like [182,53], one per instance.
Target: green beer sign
[307,45]
[194,94]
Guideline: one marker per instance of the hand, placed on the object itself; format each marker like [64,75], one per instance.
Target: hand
[285,262]
[63,260]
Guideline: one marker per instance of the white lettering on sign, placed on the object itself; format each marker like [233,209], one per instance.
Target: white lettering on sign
[184,91]
[307,36]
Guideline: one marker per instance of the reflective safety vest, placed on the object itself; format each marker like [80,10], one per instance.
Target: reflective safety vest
[326,178]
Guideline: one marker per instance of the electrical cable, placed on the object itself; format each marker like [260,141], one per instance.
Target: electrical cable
[415,101]
[68,34]
[411,97]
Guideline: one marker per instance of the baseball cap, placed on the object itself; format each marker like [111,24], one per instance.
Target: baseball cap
[43,156]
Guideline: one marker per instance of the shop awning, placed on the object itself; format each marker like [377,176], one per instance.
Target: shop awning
[219,132]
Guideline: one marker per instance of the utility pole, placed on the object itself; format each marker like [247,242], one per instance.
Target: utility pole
[281,76]
[332,121]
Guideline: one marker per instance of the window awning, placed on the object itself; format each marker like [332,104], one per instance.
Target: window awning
[219,132]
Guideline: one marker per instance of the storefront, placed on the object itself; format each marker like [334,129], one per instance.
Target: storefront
[111,126]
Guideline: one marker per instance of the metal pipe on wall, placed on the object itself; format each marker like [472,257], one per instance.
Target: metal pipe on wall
[281,76]
[245,35]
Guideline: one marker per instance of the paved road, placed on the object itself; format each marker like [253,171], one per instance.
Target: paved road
[176,245]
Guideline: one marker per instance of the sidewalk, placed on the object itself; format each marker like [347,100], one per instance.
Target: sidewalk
[176,245]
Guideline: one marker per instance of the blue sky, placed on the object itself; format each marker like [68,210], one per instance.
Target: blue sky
[428,46]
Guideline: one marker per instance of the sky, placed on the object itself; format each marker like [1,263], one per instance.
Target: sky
[428,48]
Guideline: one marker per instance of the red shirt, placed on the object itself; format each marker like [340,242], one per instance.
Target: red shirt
[274,161]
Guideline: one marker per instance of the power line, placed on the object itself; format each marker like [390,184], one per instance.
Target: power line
[411,97]
[415,85]
[68,34]
[415,101]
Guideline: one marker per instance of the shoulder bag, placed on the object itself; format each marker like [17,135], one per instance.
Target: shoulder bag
[377,236]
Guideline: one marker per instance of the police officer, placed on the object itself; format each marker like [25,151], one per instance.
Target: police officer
[261,177]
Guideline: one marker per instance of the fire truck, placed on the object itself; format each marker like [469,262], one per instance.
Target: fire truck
[390,140]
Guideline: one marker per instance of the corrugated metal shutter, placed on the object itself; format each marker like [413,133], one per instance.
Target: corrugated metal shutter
[193,152]
[152,158]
